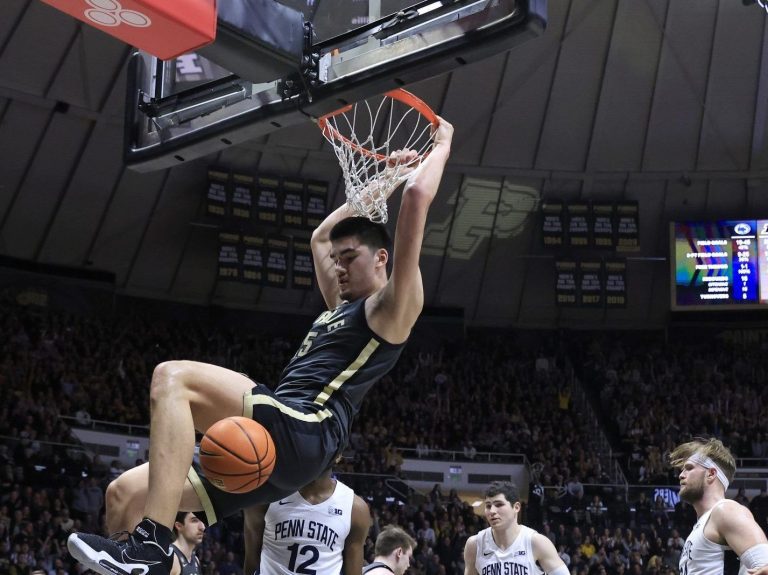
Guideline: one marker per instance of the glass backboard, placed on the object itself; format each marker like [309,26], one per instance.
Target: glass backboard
[183,109]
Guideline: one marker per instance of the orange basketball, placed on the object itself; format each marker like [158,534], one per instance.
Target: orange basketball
[237,454]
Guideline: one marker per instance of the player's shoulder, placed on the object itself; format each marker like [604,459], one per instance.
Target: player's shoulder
[472,541]
[727,507]
[729,511]
[359,503]
[360,510]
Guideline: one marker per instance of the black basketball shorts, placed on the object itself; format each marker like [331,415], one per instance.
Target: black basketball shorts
[306,444]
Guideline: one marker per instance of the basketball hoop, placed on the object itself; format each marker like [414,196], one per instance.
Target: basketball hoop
[369,138]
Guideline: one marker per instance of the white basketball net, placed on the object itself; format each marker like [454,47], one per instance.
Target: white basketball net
[763,4]
[364,137]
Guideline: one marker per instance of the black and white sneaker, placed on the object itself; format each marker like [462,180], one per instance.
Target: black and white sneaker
[140,554]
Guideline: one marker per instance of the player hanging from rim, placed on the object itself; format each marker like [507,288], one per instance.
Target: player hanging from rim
[706,469]
[506,546]
[319,529]
[309,415]
[393,552]
[189,534]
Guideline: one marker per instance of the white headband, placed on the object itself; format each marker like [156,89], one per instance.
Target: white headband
[707,463]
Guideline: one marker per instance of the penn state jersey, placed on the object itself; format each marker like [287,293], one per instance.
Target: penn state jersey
[337,363]
[701,556]
[303,538]
[187,567]
[517,559]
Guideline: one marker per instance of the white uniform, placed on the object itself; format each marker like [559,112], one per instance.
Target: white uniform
[303,538]
[701,556]
[517,559]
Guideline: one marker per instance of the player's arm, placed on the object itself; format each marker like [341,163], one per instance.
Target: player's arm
[354,546]
[470,555]
[325,267]
[545,553]
[399,304]
[253,532]
[736,525]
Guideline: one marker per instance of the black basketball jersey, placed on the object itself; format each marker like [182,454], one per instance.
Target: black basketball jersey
[187,567]
[376,565]
[337,363]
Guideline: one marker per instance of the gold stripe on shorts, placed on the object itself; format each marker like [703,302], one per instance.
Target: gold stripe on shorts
[202,494]
[359,362]
[250,400]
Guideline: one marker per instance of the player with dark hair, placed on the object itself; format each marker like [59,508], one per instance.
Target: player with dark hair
[393,552]
[309,415]
[514,548]
[706,469]
[189,534]
[319,529]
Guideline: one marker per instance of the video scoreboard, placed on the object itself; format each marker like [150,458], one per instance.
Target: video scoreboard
[719,264]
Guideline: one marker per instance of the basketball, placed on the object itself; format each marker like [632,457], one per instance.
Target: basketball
[237,454]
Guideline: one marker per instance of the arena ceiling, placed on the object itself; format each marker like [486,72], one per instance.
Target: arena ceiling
[660,101]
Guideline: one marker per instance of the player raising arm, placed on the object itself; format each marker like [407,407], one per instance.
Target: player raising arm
[353,344]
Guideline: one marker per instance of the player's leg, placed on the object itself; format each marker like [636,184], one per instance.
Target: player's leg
[127,495]
[185,396]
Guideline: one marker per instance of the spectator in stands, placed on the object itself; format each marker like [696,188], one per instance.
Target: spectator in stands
[759,508]
[83,417]
[619,512]
[643,510]
[427,533]
[741,497]
[587,548]
[675,545]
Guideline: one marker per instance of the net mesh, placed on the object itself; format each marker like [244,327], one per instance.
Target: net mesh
[371,140]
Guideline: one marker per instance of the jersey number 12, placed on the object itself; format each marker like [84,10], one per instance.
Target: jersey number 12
[304,568]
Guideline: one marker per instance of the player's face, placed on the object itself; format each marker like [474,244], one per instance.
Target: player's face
[403,561]
[499,512]
[193,529]
[356,266]
[692,481]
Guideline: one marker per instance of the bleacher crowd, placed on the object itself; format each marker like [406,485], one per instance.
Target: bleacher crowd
[481,394]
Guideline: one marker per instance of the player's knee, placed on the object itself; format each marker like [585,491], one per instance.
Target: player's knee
[118,495]
[168,377]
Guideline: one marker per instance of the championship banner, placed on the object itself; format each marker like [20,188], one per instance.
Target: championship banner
[565,282]
[616,283]
[229,256]
[552,223]
[604,225]
[216,199]
[253,258]
[303,271]
[267,200]
[242,195]
[578,216]
[628,227]
[590,282]
[317,204]
[293,203]
[277,261]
